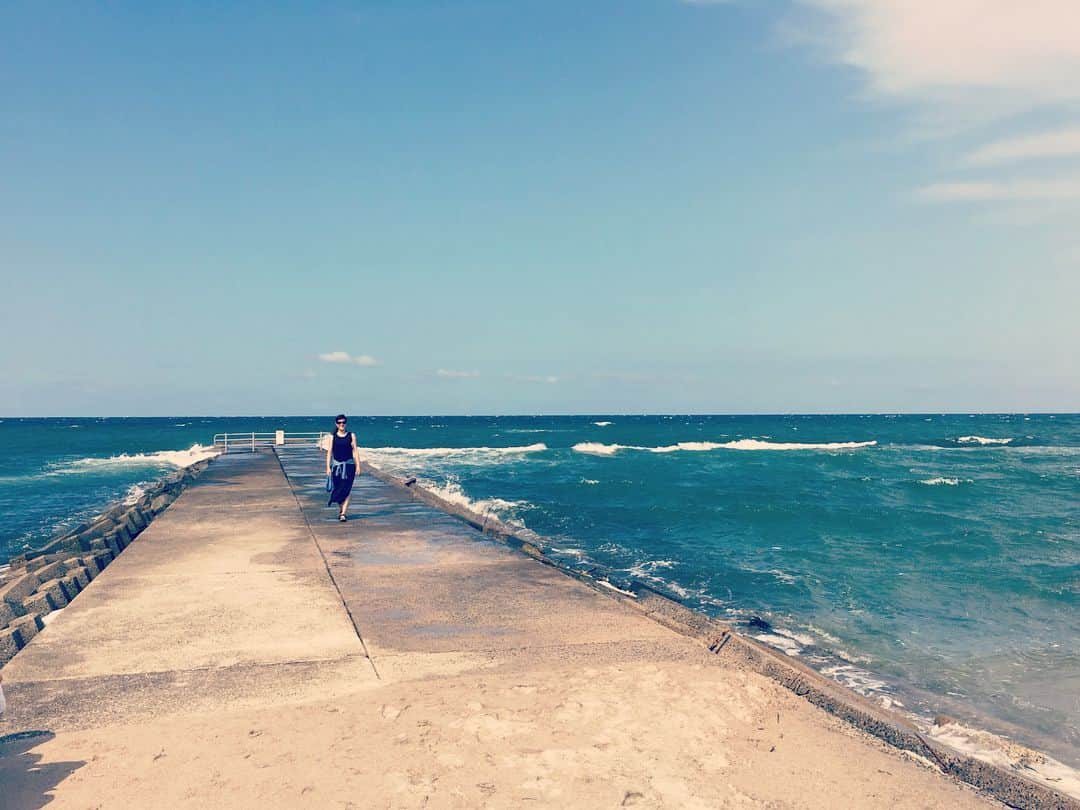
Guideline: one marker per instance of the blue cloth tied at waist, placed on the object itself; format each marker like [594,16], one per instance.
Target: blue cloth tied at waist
[337,468]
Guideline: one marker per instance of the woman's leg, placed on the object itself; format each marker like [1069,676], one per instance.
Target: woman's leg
[345,505]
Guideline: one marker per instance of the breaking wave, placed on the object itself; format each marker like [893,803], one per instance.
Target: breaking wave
[599,449]
[428,452]
[174,458]
[981,440]
[503,509]
[936,482]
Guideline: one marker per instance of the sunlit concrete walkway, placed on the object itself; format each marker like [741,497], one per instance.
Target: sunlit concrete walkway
[250,651]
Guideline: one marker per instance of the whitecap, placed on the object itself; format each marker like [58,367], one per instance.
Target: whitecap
[175,458]
[428,452]
[601,424]
[949,482]
[981,440]
[599,449]
[589,481]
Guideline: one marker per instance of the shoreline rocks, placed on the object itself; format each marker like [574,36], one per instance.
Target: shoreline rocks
[45,579]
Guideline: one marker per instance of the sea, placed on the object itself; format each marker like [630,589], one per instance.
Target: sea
[930,562]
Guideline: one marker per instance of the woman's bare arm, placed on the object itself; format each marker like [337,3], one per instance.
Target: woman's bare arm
[356,454]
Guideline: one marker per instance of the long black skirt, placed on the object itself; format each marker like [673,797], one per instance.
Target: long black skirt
[342,481]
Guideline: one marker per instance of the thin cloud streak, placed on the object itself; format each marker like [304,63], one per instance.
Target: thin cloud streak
[1054,144]
[452,374]
[1066,189]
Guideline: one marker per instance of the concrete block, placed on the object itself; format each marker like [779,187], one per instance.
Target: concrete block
[18,561]
[53,570]
[7,613]
[136,517]
[129,524]
[39,603]
[81,576]
[102,558]
[71,586]
[9,645]
[29,565]
[161,503]
[84,563]
[102,526]
[113,540]
[26,627]
[14,591]
[55,589]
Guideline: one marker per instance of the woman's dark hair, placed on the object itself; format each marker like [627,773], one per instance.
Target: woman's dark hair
[340,416]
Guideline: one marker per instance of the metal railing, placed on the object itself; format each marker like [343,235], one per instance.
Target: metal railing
[250,442]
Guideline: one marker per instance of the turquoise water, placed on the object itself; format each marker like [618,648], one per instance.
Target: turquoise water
[928,560]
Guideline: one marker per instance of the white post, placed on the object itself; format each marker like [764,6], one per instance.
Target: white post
[226,442]
[253,441]
[279,437]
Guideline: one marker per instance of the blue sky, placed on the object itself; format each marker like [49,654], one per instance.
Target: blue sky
[539,207]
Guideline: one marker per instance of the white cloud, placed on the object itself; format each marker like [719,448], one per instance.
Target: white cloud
[1056,189]
[345,357]
[1020,55]
[535,378]
[1054,144]
[451,374]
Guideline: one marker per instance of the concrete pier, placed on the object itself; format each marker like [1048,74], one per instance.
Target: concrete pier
[250,651]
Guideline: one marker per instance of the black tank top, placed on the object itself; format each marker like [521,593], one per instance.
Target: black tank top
[343,447]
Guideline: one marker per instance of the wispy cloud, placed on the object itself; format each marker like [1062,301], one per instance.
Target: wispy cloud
[452,374]
[1009,56]
[1058,143]
[549,379]
[345,357]
[961,66]
[1054,189]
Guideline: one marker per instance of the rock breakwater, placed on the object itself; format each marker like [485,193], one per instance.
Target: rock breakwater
[46,579]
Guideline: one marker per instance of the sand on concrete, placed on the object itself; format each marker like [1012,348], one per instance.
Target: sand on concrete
[249,651]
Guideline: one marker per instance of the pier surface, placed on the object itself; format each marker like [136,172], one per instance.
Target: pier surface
[250,651]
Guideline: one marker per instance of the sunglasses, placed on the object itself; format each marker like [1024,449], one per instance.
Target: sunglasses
[341,423]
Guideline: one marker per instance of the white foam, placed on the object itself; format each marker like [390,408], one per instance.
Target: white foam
[856,679]
[135,491]
[175,458]
[754,444]
[987,747]
[948,482]
[786,645]
[428,452]
[981,440]
[452,492]
[601,424]
[590,481]
[599,449]
[607,584]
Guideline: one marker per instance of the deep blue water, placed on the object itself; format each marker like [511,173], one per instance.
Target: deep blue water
[933,567]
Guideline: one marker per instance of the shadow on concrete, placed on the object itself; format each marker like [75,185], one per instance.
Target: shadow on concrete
[24,783]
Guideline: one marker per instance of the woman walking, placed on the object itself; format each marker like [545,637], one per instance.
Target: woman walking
[342,465]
